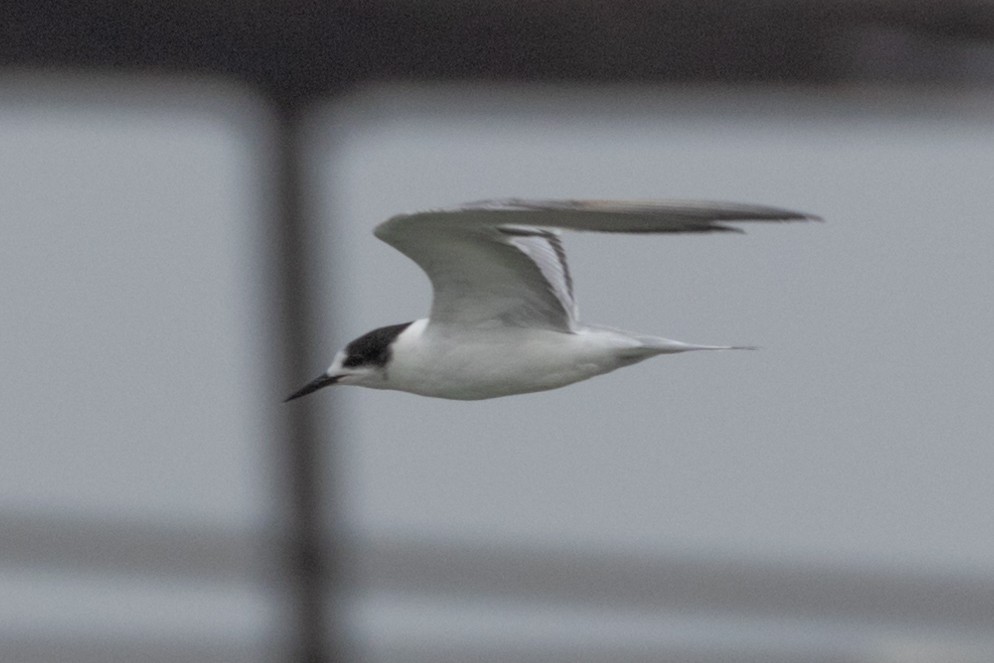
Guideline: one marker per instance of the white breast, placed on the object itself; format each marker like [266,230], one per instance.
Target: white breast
[468,364]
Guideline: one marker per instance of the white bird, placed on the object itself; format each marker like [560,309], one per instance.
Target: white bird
[503,318]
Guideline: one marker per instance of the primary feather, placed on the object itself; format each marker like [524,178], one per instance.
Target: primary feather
[501,261]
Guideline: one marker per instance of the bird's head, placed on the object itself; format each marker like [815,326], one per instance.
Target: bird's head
[363,362]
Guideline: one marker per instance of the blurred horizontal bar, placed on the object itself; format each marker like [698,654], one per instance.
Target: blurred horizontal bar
[60,649]
[92,545]
[679,582]
[296,53]
[416,566]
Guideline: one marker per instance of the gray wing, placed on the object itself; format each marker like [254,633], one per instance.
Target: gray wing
[501,262]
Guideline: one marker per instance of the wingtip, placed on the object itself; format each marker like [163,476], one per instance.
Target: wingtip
[794,215]
[722,228]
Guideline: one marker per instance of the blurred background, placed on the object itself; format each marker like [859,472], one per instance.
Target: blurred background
[187,194]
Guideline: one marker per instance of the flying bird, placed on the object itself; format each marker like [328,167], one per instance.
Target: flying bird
[503,317]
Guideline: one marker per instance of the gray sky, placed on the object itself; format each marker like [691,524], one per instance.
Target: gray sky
[860,434]
[135,334]
[130,288]
[131,299]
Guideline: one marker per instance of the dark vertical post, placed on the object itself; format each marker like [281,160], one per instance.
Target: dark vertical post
[307,568]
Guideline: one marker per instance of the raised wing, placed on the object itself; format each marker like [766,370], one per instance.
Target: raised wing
[500,262]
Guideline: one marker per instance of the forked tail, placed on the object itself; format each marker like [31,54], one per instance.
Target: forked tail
[658,346]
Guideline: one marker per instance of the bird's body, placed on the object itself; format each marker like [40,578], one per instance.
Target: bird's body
[489,362]
[504,319]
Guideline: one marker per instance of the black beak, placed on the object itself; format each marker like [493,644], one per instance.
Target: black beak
[314,385]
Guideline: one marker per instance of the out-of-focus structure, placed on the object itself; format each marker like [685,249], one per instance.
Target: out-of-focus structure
[292,57]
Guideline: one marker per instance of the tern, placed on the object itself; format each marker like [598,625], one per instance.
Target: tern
[503,316]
